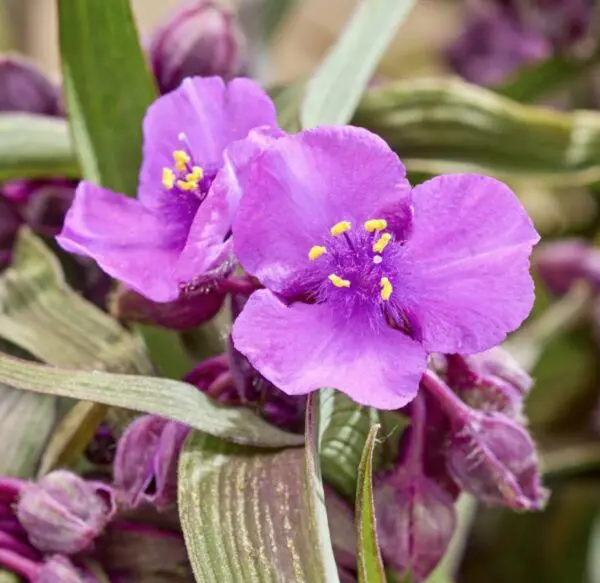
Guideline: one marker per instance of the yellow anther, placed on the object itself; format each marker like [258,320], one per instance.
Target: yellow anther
[316,252]
[340,228]
[375,225]
[168,178]
[386,288]
[185,185]
[196,174]
[382,242]
[338,281]
[181,160]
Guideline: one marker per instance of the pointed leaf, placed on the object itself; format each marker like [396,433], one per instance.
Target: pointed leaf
[335,90]
[370,563]
[247,514]
[172,399]
[107,88]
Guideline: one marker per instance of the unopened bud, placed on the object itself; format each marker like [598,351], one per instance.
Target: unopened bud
[63,513]
[563,263]
[26,89]
[59,569]
[145,468]
[10,222]
[494,458]
[200,39]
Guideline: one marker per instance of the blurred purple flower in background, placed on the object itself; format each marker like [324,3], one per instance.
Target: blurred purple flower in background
[360,268]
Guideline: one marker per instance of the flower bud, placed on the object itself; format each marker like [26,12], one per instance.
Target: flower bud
[24,88]
[145,468]
[563,263]
[59,569]
[10,222]
[494,458]
[201,39]
[415,522]
[489,381]
[187,312]
[63,513]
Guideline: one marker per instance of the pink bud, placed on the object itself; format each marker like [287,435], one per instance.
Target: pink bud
[201,39]
[145,468]
[24,88]
[59,569]
[63,513]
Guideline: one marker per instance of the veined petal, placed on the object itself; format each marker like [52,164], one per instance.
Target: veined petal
[465,280]
[202,116]
[301,348]
[304,185]
[127,240]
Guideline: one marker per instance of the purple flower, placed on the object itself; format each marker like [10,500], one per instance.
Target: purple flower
[199,39]
[145,468]
[175,236]
[366,276]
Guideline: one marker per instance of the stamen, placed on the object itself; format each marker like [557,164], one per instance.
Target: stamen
[196,174]
[316,252]
[340,228]
[338,281]
[168,178]
[373,225]
[187,186]
[382,242]
[386,288]
[181,159]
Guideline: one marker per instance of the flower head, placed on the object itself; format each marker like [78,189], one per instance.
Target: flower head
[366,276]
[175,236]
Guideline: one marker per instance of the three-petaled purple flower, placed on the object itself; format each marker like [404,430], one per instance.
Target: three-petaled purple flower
[175,235]
[366,276]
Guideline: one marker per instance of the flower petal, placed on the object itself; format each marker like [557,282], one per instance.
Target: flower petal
[303,185]
[128,241]
[465,282]
[301,348]
[208,246]
[211,115]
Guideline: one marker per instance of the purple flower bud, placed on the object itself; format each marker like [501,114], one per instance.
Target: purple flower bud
[10,221]
[490,455]
[47,206]
[415,515]
[59,569]
[562,263]
[489,381]
[188,311]
[145,468]
[201,39]
[63,513]
[24,88]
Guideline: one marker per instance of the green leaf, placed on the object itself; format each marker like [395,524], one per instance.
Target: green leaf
[336,88]
[172,399]
[107,88]
[440,125]
[33,146]
[42,315]
[346,426]
[27,420]
[247,514]
[370,563]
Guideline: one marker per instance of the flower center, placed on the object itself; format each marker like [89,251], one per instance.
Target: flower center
[355,259]
[185,176]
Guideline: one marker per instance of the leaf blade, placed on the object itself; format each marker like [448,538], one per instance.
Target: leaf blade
[370,563]
[334,91]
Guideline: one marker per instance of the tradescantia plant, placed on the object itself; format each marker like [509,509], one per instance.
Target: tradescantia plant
[261,335]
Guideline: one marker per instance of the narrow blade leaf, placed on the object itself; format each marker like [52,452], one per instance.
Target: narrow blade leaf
[336,88]
[370,563]
[107,87]
[172,399]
